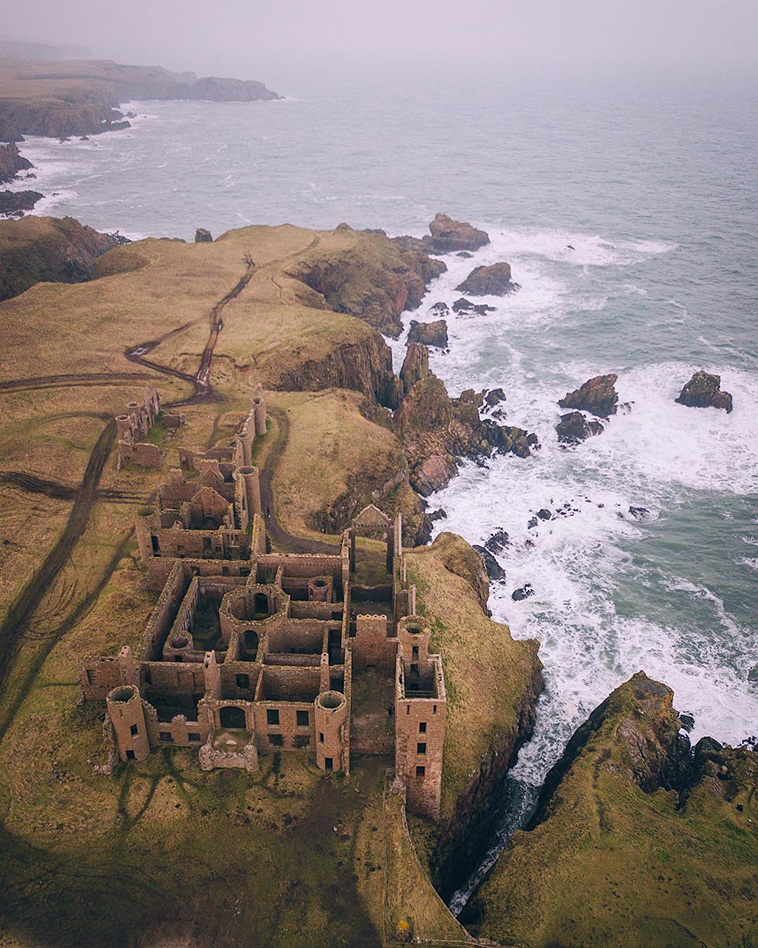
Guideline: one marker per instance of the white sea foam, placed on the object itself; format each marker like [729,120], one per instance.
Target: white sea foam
[655,455]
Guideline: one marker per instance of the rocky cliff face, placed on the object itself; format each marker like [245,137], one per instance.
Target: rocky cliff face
[664,842]
[438,430]
[11,162]
[375,281]
[493,683]
[363,366]
[36,249]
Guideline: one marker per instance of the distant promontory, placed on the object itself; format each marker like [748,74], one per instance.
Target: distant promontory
[62,98]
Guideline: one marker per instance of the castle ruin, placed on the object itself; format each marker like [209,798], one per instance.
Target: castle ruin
[249,651]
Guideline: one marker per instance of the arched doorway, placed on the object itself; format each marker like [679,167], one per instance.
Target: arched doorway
[232,717]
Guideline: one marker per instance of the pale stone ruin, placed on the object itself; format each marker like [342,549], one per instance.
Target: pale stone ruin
[135,424]
[250,652]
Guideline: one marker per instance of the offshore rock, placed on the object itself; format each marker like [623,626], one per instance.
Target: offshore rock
[704,391]
[203,236]
[494,280]
[447,236]
[574,427]
[415,366]
[598,396]
[429,334]
[11,162]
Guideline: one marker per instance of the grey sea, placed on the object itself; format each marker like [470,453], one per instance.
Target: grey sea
[628,209]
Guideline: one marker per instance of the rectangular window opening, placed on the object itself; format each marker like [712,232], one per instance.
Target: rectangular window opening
[421,747]
[134,730]
[275,740]
[422,727]
[272,716]
[303,719]
[420,770]
[243,681]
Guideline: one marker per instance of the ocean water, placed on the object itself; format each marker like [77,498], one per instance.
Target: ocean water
[653,181]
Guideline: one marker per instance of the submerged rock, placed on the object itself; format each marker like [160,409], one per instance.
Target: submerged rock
[598,395]
[524,592]
[429,334]
[704,391]
[640,513]
[463,305]
[494,280]
[574,427]
[497,542]
[440,309]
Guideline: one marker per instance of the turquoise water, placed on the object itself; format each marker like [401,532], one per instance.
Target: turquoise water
[654,184]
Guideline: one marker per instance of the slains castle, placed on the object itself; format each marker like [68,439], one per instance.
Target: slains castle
[250,652]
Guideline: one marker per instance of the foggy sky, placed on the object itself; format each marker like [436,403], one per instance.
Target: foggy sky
[254,39]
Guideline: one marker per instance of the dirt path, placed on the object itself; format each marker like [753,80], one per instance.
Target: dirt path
[21,611]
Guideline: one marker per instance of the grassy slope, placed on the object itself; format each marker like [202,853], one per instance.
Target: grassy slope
[613,865]
[333,452]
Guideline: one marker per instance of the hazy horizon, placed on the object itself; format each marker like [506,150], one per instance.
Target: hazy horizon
[252,40]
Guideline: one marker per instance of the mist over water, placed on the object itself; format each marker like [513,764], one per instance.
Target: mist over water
[654,184]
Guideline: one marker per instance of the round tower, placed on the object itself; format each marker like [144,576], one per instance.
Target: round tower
[128,718]
[251,480]
[413,636]
[259,413]
[330,719]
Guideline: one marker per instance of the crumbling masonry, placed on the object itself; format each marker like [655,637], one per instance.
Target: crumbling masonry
[135,424]
[249,652]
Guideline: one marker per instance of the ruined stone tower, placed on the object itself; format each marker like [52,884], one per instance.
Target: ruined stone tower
[127,715]
[420,708]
